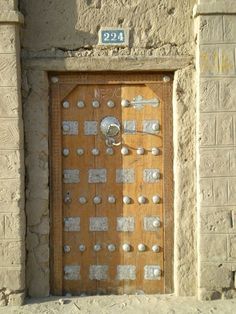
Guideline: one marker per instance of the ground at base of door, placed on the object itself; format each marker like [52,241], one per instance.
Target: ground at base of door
[137,304]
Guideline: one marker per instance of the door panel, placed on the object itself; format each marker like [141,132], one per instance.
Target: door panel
[109,202]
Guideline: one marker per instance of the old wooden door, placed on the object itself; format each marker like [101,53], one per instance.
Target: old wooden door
[111,183]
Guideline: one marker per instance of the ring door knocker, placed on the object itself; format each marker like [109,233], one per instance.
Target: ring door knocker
[110,128]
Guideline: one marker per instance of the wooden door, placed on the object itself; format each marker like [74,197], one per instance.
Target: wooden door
[111,195]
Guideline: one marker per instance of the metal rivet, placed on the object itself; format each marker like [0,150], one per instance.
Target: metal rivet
[66,248]
[126,247]
[156,199]
[110,151]
[157,272]
[111,247]
[156,175]
[95,104]
[66,127]
[110,104]
[65,104]
[142,199]
[97,199]
[66,152]
[95,151]
[166,79]
[111,199]
[155,248]
[97,247]
[125,103]
[155,151]
[140,151]
[156,223]
[54,79]
[80,104]
[126,200]
[67,198]
[155,127]
[124,151]
[141,247]
[82,247]
[82,200]
[80,151]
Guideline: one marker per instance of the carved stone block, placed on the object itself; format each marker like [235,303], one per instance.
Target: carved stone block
[152,272]
[72,272]
[90,127]
[126,272]
[70,127]
[125,176]
[98,272]
[97,176]
[129,126]
[72,224]
[125,224]
[98,224]
[71,176]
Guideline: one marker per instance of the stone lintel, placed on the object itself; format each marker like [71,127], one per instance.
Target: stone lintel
[7,16]
[215,8]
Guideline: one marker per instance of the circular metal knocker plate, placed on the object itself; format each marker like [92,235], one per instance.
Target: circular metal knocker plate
[110,126]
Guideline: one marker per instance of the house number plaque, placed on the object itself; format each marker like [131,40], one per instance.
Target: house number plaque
[113,36]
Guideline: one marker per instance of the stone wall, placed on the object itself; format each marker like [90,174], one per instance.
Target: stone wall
[12,220]
[216,107]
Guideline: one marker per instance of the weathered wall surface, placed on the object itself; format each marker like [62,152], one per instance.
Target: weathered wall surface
[216,148]
[62,35]
[12,220]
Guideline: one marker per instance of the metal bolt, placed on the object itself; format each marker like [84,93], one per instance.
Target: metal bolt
[156,199]
[155,151]
[66,104]
[126,247]
[155,248]
[67,198]
[166,79]
[66,127]
[141,247]
[142,199]
[66,248]
[111,199]
[80,104]
[125,103]
[157,272]
[83,200]
[95,104]
[66,152]
[54,79]
[156,175]
[97,247]
[156,223]
[97,199]
[140,151]
[80,151]
[110,104]
[155,127]
[82,248]
[126,200]
[95,151]
[111,247]
[124,151]
[110,151]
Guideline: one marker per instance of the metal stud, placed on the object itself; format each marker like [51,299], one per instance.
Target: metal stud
[97,247]
[124,151]
[157,272]
[155,248]
[66,104]
[110,151]
[82,247]
[111,247]
[80,104]
[142,199]
[66,248]
[66,152]
[156,127]
[66,127]
[156,175]
[67,198]
[155,151]
[111,199]
[82,200]
[95,104]
[140,151]
[156,199]
[125,103]
[156,223]
[126,199]
[141,247]
[97,199]
[166,79]
[95,151]
[54,79]
[110,104]
[80,151]
[126,247]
